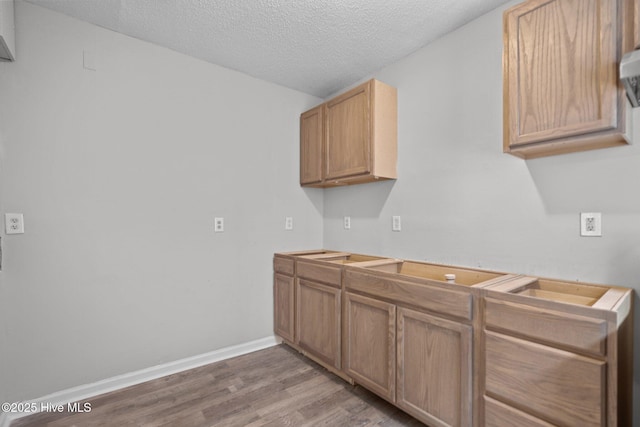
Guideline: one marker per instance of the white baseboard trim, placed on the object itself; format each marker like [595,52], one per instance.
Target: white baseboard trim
[86,391]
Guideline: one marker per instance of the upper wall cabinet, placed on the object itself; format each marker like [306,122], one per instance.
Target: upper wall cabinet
[7,31]
[561,88]
[351,139]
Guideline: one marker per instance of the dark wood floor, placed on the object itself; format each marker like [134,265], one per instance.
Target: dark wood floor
[272,387]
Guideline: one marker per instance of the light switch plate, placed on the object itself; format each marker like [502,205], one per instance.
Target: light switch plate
[14,223]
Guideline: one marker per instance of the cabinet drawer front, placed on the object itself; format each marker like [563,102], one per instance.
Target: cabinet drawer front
[329,274]
[564,329]
[430,297]
[497,414]
[561,387]
[283,265]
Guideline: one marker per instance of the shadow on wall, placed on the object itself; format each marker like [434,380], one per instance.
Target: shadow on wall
[367,202]
[315,196]
[604,180]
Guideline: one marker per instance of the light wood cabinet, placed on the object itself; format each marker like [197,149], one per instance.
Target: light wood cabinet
[434,369]
[483,349]
[636,24]
[351,139]
[556,353]
[318,321]
[283,311]
[311,146]
[370,344]
[561,88]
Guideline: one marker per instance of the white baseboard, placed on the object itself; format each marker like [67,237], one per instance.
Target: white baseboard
[125,380]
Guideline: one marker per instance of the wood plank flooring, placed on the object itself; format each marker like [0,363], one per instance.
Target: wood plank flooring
[272,387]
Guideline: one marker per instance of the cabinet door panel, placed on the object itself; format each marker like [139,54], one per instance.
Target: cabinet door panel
[311,145]
[558,386]
[283,308]
[562,79]
[434,369]
[370,344]
[349,134]
[318,321]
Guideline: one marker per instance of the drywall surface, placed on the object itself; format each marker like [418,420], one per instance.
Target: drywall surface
[462,201]
[119,173]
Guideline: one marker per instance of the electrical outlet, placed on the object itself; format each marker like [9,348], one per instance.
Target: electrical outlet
[14,223]
[591,224]
[347,223]
[218,225]
[396,223]
[288,223]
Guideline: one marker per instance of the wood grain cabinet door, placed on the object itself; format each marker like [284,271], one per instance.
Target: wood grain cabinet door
[318,321]
[311,145]
[370,344]
[434,369]
[560,76]
[283,306]
[349,134]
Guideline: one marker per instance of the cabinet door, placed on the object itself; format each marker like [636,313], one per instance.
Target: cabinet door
[349,134]
[370,344]
[560,75]
[283,306]
[434,369]
[318,321]
[311,145]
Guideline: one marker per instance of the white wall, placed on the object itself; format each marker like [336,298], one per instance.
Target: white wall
[119,173]
[463,201]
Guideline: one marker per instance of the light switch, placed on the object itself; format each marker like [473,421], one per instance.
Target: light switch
[14,223]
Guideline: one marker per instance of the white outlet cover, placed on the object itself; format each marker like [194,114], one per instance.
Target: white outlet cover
[288,223]
[218,225]
[591,224]
[14,223]
[347,223]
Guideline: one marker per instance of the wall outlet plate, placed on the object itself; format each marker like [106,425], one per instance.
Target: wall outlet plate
[591,224]
[288,223]
[218,225]
[396,223]
[347,223]
[13,223]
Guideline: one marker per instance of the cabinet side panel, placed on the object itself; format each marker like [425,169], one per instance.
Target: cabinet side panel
[384,133]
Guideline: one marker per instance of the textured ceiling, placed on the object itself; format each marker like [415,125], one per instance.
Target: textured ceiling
[315,46]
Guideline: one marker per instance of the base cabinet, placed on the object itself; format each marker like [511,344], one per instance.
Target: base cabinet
[370,344]
[318,321]
[434,369]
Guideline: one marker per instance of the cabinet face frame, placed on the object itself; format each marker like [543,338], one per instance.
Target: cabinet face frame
[284,311]
[597,106]
[439,335]
[636,24]
[358,348]
[318,325]
[312,145]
